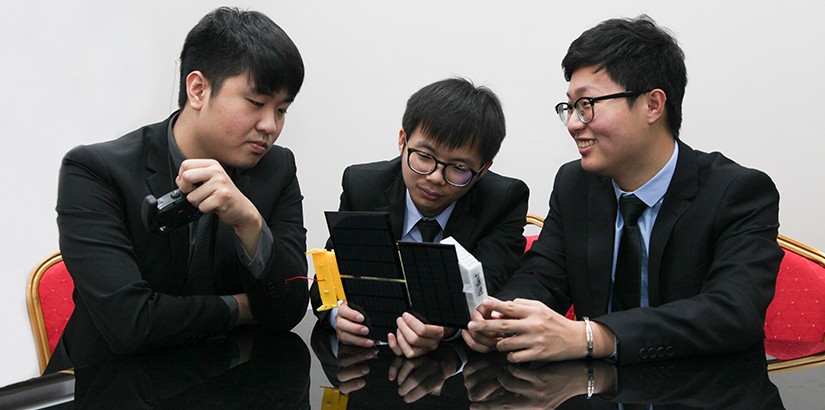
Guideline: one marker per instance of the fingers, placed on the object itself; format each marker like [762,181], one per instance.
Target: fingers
[349,356]
[415,338]
[210,189]
[194,172]
[348,327]
[478,341]
[416,378]
[392,341]
[352,385]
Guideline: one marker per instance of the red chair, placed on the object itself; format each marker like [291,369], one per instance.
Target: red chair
[797,312]
[533,219]
[49,301]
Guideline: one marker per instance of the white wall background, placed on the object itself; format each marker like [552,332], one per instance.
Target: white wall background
[85,71]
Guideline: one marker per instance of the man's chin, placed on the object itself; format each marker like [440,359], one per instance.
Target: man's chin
[429,208]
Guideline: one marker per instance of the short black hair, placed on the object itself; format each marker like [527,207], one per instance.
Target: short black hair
[228,42]
[638,55]
[454,113]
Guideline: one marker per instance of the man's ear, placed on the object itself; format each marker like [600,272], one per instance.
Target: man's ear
[197,90]
[402,141]
[656,105]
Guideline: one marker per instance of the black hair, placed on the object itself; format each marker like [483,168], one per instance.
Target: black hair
[454,113]
[638,55]
[228,42]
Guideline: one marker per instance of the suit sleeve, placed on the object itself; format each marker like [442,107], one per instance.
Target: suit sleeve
[277,303]
[542,274]
[501,247]
[727,313]
[97,247]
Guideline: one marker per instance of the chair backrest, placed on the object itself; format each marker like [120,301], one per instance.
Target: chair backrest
[535,220]
[49,301]
[797,312]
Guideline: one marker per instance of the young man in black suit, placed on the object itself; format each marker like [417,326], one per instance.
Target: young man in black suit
[706,255]
[137,290]
[451,131]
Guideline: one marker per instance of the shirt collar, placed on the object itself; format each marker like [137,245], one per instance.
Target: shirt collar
[174,151]
[412,215]
[654,190]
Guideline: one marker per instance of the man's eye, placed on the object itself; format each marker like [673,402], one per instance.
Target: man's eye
[255,103]
[282,111]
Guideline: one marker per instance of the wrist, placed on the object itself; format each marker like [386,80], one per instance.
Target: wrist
[603,340]
[249,232]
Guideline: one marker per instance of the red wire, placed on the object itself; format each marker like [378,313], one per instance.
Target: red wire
[303,277]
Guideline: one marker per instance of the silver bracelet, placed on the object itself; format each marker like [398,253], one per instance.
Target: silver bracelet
[589,333]
[591,382]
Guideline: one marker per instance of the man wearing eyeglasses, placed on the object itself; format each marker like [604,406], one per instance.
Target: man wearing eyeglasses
[440,186]
[663,251]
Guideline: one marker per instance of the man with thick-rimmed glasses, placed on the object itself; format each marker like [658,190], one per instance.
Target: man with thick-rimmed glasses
[663,251]
[451,131]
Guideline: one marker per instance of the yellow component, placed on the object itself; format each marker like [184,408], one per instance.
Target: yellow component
[333,399]
[329,279]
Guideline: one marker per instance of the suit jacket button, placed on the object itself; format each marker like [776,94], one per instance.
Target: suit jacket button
[660,352]
[651,352]
[670,351]
[643,353]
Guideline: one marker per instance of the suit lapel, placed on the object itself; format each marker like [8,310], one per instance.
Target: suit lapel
[600,233]
[678,198]
[396,200]
[462,222]
[160,182]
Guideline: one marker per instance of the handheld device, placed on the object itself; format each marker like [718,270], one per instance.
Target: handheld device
[168,212]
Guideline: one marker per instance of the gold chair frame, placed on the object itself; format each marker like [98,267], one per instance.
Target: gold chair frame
[818,257]
[533,219]
[41,338]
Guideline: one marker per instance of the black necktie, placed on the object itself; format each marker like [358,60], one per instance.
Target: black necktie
[201,279]
[429,228]
[628,281]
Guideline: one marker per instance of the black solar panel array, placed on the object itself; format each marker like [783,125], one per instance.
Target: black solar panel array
[375,282]
[434,283]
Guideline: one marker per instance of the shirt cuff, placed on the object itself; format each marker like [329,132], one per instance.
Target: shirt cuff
[257,264]
[332,315]
[234,309]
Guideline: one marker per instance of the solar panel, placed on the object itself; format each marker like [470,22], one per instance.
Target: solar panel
[383,278]
[434,283]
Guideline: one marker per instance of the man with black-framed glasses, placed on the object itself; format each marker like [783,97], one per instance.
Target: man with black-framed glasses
[663,251]
[440,186]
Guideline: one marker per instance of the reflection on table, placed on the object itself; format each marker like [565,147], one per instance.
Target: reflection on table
[247,369]
[244,370]
[372,377]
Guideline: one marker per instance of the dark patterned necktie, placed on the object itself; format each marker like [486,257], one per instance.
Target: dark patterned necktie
[628,281]
[201,279]
[429,228]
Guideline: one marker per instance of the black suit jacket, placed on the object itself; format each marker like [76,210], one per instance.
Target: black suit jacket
[127,280]
[488,220]
[712,265]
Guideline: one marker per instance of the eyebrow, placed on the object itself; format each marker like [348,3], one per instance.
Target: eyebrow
[579,91]
[427,146]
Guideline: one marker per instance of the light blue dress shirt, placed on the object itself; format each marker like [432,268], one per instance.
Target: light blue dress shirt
[651,193]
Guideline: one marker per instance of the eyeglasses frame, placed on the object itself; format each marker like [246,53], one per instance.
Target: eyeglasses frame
[438,162]
[592,101]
